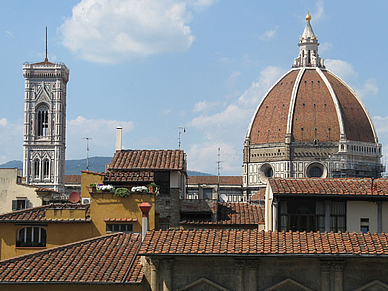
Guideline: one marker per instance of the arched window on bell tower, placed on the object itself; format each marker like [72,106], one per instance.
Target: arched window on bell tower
[36,168]
[42,121]
[46,169]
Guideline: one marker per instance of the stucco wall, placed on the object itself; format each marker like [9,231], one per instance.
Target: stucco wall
[385,216]
[355,210]
[58,233]
[10,190]
[107,205]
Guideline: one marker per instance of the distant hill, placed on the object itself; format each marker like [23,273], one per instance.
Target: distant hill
[96,164]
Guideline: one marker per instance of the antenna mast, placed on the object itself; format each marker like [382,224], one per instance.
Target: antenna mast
[87,152]
[46,59]
[181,130]
[219,164]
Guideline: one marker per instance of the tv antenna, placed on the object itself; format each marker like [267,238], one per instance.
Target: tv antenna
[87,152]
[46,59]
[219,164]
[181,130]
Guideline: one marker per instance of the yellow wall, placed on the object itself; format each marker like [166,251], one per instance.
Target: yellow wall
[58,233]
[102,206]
[10,190]
[361,209]
[108,205]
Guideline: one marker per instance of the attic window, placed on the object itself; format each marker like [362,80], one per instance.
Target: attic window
[31,236]
[119,227]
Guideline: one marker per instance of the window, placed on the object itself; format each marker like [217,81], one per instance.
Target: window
[364,225]
[42,124]
[36,168]
[302,215]
[32,236]
[162,179]
[207,193]
[119,227]
[46,169]
[20,204]
[338,216]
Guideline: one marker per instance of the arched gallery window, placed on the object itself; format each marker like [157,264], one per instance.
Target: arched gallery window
[42,121]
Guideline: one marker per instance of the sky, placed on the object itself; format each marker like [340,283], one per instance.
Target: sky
[154,66]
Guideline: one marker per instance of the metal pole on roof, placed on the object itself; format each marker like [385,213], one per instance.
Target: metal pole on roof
[87,152]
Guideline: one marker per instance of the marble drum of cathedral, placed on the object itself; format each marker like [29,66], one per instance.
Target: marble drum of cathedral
[310,124]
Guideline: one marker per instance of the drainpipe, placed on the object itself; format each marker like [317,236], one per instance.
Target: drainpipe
[145,208]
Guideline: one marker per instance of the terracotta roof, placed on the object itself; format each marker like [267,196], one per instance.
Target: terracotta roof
[224,180]
[329,186]
[125,176]
[259,195]
[106,259]
[120,219]
[39,213]
[234,213]
[45,62]
[313,110]
[148,159]
[72,179]
[261,243]
[42,189]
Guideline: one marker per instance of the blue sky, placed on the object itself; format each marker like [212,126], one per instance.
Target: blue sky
[151,66]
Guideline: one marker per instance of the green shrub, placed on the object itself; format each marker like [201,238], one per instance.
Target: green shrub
[122,192]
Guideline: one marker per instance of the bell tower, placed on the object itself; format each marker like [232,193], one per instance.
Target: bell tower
[45,124]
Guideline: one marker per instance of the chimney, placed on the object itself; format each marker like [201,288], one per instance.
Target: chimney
[145,208]
[119,137]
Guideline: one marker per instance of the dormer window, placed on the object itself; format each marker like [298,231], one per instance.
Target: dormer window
[42,121]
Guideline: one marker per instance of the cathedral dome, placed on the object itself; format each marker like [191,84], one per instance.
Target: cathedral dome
[310,124]
[310,104]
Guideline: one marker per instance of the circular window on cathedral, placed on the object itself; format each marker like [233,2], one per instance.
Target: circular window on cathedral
[266,171]
[316,170]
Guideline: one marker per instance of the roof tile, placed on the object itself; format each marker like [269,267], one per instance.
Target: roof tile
[105,259]
[254,242]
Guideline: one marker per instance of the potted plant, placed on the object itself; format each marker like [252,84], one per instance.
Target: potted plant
[152,187]
[92,187]
[105,188]
[122,192]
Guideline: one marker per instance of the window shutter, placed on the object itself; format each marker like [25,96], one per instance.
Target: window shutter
[14,205]
[28,204]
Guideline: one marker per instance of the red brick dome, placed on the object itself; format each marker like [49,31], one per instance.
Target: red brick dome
[309,104]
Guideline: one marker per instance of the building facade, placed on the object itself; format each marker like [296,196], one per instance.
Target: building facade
[45,124]
[310,124]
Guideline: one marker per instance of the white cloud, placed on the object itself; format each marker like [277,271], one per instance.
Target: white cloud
[346,72]
[320,10]
[204,105]
[3,121]
[9,33]
[325,47]
[369,88]
[11,140]
[233,78]
[101,131]
[226,129]
[166,112]
[341,68]
[268,34]
[109,31]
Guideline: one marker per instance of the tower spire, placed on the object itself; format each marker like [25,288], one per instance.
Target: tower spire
[308,48]
[46,59]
